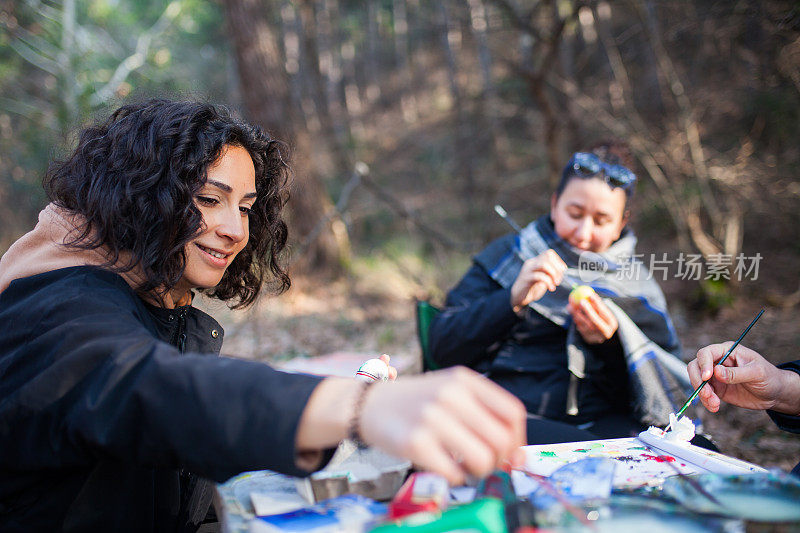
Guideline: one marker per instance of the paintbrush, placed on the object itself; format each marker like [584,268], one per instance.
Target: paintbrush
[505,216]
[695,485]
[703,384]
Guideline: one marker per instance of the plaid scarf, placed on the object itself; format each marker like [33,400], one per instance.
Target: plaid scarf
[658,377]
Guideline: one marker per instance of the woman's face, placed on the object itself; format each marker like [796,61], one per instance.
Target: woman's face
[589,214]
[225,201]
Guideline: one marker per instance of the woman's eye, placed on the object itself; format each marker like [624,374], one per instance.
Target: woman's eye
[207,200]
[246,210]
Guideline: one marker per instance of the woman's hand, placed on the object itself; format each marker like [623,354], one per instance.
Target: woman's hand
[453,422]
[392,370]
[593,319]
[745,379]
[537,276]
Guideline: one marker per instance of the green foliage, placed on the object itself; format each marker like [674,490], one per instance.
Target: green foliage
[153,47]
[714,295]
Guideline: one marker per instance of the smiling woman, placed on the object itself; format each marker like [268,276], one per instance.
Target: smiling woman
[112,413]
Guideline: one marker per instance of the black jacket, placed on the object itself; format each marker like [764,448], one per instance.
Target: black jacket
[101,414]
[527,356]
[784,421]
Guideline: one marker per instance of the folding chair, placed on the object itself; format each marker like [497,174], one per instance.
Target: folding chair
[425,314]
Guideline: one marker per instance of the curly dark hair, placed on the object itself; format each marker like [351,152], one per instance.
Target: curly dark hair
[134,177]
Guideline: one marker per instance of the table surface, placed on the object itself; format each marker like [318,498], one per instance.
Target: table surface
[637,466]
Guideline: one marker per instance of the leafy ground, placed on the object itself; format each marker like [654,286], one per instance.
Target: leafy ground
[371,311]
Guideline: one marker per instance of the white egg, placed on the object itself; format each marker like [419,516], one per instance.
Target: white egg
[373,370]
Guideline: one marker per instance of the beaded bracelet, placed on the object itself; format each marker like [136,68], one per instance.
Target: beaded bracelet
[353,432]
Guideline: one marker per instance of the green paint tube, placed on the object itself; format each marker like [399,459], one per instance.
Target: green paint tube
[486,515]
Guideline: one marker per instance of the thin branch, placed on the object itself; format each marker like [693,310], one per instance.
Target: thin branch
[137,59]
[34,58]
[398,207]
[360,176]
[690,126]
[30,109]
[620,73]
[41,46]
[337,211]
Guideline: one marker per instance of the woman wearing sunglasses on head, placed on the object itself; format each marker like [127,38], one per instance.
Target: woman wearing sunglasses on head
[601,366]
[113,409]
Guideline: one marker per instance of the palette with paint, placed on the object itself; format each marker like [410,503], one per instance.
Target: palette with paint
[638,463]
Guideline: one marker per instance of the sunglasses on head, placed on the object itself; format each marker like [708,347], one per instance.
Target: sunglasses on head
[588,164]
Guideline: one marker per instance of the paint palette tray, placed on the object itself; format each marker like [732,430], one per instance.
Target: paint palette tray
[638,464]
[708,460]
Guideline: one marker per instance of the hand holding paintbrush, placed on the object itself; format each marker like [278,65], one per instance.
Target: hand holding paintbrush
[694,370]
[747,380]
[565,277]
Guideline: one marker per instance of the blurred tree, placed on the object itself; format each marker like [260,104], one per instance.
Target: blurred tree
[265,89]
[454,105]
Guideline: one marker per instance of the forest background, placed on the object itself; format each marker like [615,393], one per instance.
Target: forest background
[411,119]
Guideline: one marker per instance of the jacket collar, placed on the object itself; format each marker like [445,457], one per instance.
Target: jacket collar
[46,248]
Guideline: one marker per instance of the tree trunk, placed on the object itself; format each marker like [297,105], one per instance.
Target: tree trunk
[291,29]
[321,101]
[408,102]
[462,150]
[373,75]
[491,107]
[265,89]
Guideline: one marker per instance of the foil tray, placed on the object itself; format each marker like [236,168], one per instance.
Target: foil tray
[368,472]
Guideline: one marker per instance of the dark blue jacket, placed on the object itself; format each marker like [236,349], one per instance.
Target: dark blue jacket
[528,357]
[788,422]
[101,410]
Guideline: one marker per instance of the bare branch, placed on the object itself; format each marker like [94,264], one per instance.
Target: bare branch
[620,73]
[403,212]
[35,58]
[138,58]
[41,46]
[30,109]
[336,212]
[691,129]
[702,240]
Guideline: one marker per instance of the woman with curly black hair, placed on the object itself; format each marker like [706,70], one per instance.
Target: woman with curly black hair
[112,413]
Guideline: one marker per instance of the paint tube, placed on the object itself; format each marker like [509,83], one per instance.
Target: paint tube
[422,492]
[486,515]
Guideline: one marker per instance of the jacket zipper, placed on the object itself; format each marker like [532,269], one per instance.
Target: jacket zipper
[182,331]
[186,477]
